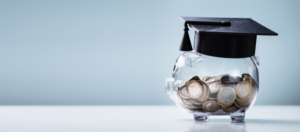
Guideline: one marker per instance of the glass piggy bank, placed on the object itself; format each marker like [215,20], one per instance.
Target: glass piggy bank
[206,85]
[219,74]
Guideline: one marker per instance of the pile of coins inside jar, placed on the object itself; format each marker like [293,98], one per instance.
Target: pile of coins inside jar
[225,92]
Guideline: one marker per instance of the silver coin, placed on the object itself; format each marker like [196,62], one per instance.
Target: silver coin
[187,101]
[204,79]
[230,79]
[231,108]
[244,89]
[192,78]
[205,92]
[194,89]
[214,87]
[183,92]
[226,96]
[210,106]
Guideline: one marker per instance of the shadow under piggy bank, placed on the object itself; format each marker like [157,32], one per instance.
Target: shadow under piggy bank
[222,125]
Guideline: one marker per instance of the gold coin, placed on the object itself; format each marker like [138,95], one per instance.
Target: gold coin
[194,89]
[210,106]
[226,96]
[244,89]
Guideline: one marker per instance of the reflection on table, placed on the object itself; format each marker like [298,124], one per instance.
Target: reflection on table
[207,126]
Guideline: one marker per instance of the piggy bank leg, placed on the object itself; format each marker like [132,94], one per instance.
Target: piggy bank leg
[238,116]
[200,116]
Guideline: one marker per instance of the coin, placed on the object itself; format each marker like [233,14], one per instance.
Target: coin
[194,89]
[247,78]
[210,106]
[205,92]
[253,83]
[243,102]
[187,101]
[230,81]
[226,90]
[245,75]
[178,98]
[215,86]
[192,107]
[206,78]
[231,108]
[198,110]
[192,78]
[196,102]
[222,105]
[237,105]
[226,96]
[210,98]
[219,77]
[254,90]
[244,89]
[253,86]
[196,106]
[183,92]
[227,79]
[213,95]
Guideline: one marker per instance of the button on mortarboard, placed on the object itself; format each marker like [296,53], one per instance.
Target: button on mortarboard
[236,40]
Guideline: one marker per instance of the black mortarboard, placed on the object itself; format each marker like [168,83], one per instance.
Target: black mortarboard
[223,37]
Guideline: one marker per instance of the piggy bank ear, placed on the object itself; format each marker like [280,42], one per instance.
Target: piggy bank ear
[191,58]
[255,59]
[169,85]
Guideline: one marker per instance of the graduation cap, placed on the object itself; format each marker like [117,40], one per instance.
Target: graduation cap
[223,37]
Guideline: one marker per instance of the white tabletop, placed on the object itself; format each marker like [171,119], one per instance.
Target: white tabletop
[140,119]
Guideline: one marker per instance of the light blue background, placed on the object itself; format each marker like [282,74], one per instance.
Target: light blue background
[120,52]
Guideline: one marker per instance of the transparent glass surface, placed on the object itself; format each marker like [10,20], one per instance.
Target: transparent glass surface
[231,84]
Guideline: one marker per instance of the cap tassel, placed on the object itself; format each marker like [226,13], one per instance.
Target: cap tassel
[186,44]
